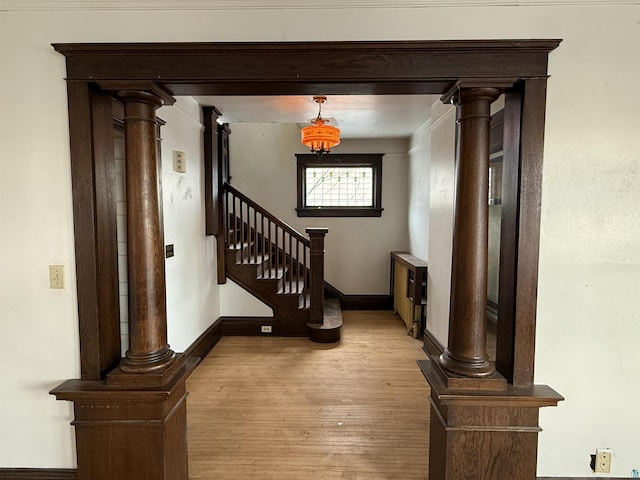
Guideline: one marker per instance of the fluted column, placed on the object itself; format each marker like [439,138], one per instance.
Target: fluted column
[148,348]
[466,352]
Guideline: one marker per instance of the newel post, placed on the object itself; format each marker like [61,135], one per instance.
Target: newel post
[316,236]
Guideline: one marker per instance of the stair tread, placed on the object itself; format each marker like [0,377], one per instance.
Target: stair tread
[253,260]
[271,274]
[239,245]
[332,315]
[291,288]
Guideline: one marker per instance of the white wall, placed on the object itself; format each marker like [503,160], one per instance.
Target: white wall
[237,302]
[263,166]
[193,301]
[419,191]
[588,313]
[442,134]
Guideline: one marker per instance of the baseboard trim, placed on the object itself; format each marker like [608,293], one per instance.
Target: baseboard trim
[251,326]
[578,478]
[205,342]
[431,344]
[38,474]
[366,302]
[359,302]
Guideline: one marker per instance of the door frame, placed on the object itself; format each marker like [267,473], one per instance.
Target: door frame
[305,68]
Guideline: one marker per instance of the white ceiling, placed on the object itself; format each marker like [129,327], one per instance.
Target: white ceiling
[357,116]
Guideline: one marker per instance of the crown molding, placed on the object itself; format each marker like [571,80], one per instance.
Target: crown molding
[73,5]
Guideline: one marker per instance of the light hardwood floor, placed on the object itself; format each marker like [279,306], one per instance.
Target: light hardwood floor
[286,408]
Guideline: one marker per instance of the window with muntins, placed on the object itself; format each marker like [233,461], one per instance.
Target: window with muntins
[335,185]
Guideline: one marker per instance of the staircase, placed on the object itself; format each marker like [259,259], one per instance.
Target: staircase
[279,266]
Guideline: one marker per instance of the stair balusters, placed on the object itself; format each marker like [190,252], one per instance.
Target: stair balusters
[262,239]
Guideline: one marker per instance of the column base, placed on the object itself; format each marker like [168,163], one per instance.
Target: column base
[485,435]
[156,378]
[147,362]
[469,367]
[129,432]
[490,382]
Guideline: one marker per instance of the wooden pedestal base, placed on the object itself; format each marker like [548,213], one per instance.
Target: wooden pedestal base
[484,434]
[129,432]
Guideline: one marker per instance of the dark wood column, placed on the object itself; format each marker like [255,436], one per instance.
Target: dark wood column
[481,424]
[132,424]
[148,348]
[466,353]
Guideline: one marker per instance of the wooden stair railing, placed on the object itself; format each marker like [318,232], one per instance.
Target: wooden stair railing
[278,265]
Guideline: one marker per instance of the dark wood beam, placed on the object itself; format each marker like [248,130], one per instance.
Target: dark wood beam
[304,68]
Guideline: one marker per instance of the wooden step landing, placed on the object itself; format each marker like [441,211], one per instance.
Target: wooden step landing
[329,331]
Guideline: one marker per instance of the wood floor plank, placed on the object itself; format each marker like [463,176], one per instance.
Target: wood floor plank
[287,408]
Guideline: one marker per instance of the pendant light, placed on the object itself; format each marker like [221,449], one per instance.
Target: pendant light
[319,136]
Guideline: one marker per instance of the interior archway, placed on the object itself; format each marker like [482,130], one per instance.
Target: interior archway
[95,71]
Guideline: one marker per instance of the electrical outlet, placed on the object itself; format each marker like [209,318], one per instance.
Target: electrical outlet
[265,329]
[603,460]
[56,276]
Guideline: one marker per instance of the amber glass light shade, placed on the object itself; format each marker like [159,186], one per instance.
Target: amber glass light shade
[320,137]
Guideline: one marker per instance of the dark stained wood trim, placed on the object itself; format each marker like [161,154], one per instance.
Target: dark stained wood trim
[528,239]
[93,185]
[211,170]
[38,474]
[522,185]
[303,67]
[248,325]
[205,342]
[339,212]
[214,187]
[359,302]
[106,226]
[366,302]
[373,160]
[432,345]
[509,232]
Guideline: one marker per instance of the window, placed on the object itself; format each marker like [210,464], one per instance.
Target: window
[335,185]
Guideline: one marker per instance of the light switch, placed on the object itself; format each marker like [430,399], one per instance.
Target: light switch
[179,161]
[56,276]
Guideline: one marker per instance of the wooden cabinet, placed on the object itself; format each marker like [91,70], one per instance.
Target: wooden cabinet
[409,287]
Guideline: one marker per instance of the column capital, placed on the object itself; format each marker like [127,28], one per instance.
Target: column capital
[476,86]
[141,90]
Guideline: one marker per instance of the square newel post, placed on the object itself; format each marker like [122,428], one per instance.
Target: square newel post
[316,237]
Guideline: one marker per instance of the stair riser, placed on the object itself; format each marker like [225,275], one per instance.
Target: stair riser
[291,319]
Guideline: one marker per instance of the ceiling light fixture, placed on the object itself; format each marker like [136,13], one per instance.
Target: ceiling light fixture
[319,136]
